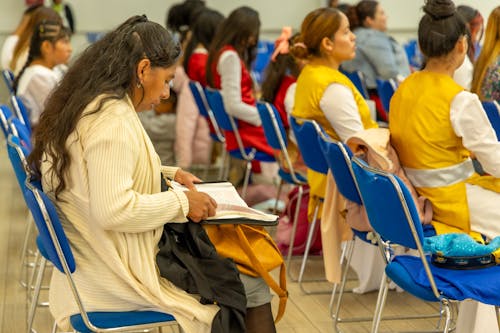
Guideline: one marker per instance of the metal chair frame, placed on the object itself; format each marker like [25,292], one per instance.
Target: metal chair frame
[386,245]
[295,121]
[205,110]
[228,123]
[63,265]
[277,140]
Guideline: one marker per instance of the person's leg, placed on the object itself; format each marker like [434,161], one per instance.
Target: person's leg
[259,316]
[260,319]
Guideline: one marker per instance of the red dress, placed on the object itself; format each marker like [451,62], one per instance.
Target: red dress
[197,67]
[279,99]
[252,136]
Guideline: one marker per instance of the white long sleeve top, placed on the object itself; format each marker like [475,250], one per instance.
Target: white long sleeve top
[113,212]
[229,69]
[470,122]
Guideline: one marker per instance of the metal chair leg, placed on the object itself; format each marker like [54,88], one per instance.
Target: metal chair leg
[348,251]
[25,252]
[246,180]
[294,231]
[379,308]
[280,187]
[310,233]
[223,166]
[36,294]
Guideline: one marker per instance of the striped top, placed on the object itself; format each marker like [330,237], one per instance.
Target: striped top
[113,213]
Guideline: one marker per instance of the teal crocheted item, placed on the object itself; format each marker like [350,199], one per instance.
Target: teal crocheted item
[459,245]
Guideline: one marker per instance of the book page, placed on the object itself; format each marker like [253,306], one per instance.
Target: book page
[229,203]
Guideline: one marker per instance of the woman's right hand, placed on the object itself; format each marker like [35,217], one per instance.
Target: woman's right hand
[201,205]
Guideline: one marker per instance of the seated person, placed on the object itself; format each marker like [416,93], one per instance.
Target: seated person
[378,55]
[15,47]
[98,165]
[50,46]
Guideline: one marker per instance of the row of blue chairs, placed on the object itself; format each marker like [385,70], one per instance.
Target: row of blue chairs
[54,247]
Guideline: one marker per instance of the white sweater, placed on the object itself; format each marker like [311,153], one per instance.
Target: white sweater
[113,214]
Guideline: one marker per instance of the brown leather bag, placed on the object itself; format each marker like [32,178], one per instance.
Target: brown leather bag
[254,252]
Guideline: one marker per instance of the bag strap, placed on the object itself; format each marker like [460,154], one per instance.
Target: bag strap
[280,289]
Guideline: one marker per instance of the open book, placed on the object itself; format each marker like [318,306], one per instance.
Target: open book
[231,208]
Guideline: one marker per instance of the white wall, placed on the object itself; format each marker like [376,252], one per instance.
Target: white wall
[102,15]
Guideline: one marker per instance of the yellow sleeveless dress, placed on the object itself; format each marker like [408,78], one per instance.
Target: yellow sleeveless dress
[311,85]
[433,156]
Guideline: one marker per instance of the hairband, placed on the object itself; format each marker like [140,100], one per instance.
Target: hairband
[282,45]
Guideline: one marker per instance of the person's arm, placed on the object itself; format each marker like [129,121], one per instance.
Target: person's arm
[341,110]
[379,53]
[111,150]
[470,122]
[229,68]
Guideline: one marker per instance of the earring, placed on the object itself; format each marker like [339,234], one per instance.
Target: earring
[139,85]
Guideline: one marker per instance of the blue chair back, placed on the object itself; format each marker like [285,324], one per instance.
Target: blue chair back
[216,104]
[17,155]
[21,111]
[386,89]
[205,110]
[8,78]
[493,112]
[338,156]
[5,117]
[17,128]
[358,79]
[56,247]
[197,91]
[306,134]
[389,205]
[264,52]
[274,130]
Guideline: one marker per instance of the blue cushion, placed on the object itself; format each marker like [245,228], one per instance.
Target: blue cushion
[477,284]
[119,319]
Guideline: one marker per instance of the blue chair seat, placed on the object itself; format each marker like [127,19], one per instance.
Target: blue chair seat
[117,319]
[478,284]
[287,177]
[259,155]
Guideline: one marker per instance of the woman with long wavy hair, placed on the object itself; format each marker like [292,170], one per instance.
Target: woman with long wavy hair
[98,165]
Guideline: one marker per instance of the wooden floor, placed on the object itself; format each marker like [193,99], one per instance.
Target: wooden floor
[304,313]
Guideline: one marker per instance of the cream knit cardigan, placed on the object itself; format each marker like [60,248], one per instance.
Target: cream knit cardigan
[113,214]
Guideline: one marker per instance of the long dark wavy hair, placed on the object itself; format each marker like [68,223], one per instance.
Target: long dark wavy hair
[105,67]
[241,24]
[202,32]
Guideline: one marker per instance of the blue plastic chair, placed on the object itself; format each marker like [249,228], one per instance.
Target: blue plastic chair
[394,217]
[264,52]
[385,90]
[306,133]
[228,123]
[17,155]
[54,247]
[358,79]
[215,130]
[8,78]
[5,116]
[17,128]
[21,111]
[492,110]
[276,137]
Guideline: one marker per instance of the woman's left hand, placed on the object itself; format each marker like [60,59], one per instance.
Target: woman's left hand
[187,179]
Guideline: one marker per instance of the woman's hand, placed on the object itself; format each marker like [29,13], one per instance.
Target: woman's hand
[187,179]
[201,205]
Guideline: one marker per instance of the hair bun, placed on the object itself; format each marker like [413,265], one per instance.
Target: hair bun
[439,9]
